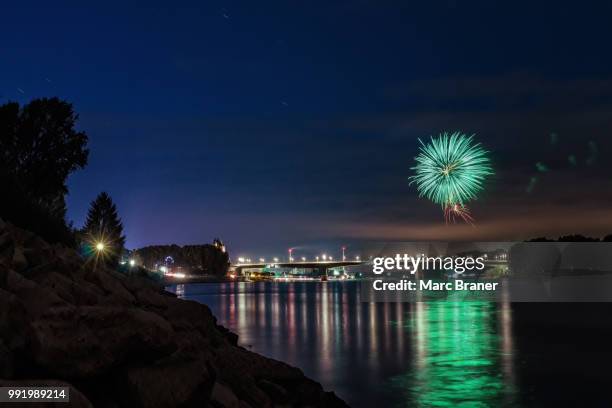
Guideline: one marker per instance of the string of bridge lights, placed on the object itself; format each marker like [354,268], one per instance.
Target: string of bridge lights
[319,258]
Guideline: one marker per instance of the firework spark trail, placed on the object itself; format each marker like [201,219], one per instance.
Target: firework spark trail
[454,211]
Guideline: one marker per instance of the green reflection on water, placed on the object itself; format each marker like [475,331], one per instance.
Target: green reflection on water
[460,359]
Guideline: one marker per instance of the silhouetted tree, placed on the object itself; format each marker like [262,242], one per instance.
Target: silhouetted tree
[39,149]
[577,238]
[103,226]
[207,259]
[540,239]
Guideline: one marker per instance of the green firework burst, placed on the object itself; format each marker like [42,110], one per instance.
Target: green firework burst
[451,169]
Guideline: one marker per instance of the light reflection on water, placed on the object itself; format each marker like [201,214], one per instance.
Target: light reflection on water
[460,360]
[389,354]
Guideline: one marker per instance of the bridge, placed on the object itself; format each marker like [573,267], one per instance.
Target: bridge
[321,265]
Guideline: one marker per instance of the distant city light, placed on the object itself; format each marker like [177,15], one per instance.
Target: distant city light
[262,260]
[100,246]
[163,269]
[241,259]
[303,259]
[275,259]
[324,257]
[357,258]
[132,262]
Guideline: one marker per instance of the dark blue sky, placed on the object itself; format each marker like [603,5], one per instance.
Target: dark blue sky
[276,124]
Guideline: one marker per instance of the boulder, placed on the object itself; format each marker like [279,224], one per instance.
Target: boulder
[6,361]
[13,320]
[35,298]
[151,298]
[169,383]
[277,393]
[223,397]
[88,341]
[7,247]
[191,315]
[78,292]
[111,286]
[124,341]
[19,260]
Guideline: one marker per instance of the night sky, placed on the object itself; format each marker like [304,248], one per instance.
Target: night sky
[277,124]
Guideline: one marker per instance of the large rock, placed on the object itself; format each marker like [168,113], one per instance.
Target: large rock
[125,342]
[223,397]
[14,332]
[76,291]
[19,260]
[87,341]
[111,285]
[7,362]
[35,298]
[169,383]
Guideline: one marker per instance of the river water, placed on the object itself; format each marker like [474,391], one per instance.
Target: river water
[429,354]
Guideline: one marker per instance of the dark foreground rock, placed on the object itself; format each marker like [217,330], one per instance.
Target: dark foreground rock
[123,341]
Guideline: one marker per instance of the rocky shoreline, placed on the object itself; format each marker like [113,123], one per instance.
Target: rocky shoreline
[122,341]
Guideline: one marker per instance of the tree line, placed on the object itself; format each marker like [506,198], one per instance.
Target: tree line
[209,259]
[573,238]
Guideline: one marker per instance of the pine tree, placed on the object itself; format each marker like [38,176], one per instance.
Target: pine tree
[103,229]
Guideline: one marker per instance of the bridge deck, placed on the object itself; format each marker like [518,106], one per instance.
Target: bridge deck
[314,264]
